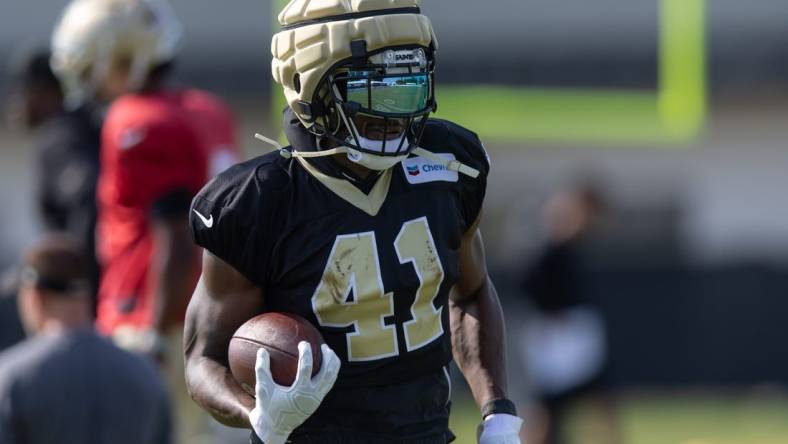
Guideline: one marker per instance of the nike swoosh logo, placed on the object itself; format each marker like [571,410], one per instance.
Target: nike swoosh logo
[207,221]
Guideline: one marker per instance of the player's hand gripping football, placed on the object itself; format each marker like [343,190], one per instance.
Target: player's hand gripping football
[279,410]
[500,429]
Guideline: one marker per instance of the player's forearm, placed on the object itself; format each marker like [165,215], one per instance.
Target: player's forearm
[173,268]
[172,292]
[478,342]
[208,379]
[212,386]
[211,320]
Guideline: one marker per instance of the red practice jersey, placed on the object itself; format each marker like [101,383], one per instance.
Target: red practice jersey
[153,145]
[216,129]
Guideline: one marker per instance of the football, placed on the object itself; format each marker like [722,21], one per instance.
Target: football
[280,334]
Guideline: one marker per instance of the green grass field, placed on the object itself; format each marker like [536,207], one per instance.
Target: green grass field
[669,418]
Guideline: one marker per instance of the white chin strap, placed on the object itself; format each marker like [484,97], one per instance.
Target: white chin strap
[372,160]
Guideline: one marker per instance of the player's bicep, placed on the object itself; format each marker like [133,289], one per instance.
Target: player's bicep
[223,300]
[472,264]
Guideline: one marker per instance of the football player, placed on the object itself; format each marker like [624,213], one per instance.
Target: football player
[159,145]
[367,225]
[66,140]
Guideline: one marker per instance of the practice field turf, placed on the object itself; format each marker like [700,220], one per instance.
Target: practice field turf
[689,418]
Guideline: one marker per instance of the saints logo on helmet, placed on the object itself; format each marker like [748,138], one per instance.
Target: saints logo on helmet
[341,63]
[92,34]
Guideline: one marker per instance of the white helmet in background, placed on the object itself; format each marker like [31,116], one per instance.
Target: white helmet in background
[92,33]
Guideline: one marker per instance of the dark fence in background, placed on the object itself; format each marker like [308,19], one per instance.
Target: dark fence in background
[683,326]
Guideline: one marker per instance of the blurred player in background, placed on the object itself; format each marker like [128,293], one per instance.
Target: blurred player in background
[359,229]
[66,150]
[66,383]
[565,345]
[159,145]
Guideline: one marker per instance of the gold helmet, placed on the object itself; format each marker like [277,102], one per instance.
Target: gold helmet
[92,33]
[339,58]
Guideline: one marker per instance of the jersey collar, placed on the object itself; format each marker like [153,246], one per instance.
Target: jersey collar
[369,203]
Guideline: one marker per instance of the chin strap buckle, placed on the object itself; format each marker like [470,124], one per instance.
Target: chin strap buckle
[452,165]
[284,152]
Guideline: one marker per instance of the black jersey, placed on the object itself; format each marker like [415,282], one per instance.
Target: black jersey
[68,162]
[371,271]
[68,166]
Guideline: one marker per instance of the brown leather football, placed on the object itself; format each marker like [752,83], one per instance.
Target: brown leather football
[280,334]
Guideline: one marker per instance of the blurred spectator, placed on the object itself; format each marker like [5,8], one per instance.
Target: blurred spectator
[565,346]
[159,146]
[67,384]
[66,150]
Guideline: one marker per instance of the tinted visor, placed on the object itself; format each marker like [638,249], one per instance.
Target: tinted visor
[405,94]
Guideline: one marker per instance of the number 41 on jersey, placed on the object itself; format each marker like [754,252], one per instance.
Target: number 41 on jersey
[354,266]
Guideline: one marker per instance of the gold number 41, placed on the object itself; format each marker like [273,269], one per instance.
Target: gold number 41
[354,267]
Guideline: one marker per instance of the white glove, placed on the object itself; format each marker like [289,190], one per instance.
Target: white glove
[280,410]
[501,429]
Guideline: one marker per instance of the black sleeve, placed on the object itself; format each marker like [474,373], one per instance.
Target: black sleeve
[472,190]
[235,217]
[172,205]
[219,228]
